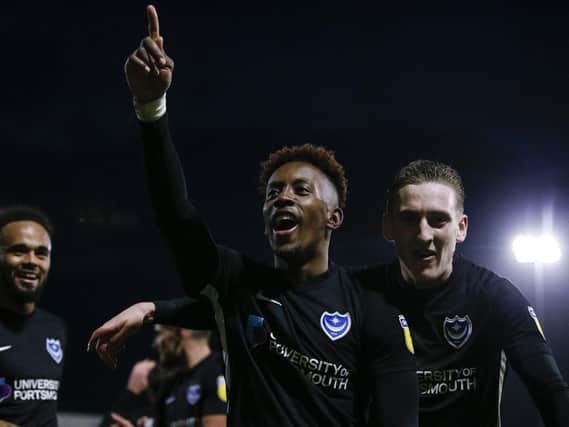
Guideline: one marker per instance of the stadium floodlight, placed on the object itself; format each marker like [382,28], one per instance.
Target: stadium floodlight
[541,249]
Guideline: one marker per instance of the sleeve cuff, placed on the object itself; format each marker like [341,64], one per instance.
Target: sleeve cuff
[150,111]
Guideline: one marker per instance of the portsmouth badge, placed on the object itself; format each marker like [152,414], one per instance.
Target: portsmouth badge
[536,321]
[335,325]
[457,330]
[193,394]
[406,334]
[5,389]
[53,347]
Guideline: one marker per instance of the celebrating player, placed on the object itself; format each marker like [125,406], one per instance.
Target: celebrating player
[32,341]
[468,323]
[307,343]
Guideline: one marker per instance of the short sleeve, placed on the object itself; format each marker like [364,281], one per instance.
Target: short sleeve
[215,394]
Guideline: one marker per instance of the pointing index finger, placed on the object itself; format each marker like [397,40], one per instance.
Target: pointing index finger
[153,24]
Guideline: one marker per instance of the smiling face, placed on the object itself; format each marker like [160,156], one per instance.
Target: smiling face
[300,211]
[25,259]
[425,223]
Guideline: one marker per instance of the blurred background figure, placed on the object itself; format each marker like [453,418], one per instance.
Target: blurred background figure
[185,388]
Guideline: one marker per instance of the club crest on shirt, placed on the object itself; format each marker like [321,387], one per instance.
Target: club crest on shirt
[5,390]
[536,321]
[193,393]
[53,347]
[457,330]
[335,325]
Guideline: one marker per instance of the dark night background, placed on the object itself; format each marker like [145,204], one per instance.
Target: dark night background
[485,90]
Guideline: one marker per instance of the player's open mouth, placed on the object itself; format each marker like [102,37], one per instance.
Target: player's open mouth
[284,223]
[27,278]
[425,255]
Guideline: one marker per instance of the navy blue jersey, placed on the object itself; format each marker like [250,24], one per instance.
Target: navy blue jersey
[315,342]
[192,394]
[300,354]
[31,364]
[466,332]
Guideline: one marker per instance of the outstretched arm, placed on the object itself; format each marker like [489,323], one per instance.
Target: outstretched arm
[109,339]
[149,75]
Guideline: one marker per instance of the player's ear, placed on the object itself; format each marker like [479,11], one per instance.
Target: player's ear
[335,218]
[387,226]
[462,228]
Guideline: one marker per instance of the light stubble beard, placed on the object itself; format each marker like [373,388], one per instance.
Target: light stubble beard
[19,295]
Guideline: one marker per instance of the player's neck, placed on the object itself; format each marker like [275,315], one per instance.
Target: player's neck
[423,284]
[301,270]
[9,304]
[196,352]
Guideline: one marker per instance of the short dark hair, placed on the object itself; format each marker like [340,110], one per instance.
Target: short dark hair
[25,213]
[317,156]
[421,171]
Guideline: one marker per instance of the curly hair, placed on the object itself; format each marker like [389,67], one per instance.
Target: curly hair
[421,171]
[317,156]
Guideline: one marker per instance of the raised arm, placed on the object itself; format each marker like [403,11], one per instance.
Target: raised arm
[149,75]
[148,69]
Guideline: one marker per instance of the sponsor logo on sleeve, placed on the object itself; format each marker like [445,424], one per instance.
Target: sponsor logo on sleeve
[53,347]
[536,321]
[221,388]
[193,393]
[335,325]
[457,330]
[5,389]
[406,334]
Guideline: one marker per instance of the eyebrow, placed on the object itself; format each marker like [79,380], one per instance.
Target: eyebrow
[296,181]
[429,212]
[25,248]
